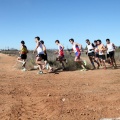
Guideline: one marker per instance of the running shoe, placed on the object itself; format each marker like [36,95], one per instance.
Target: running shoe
[40,72]
[115,67]
[47,66]
[51,70]
[83,69]
[24,69]
[85,63]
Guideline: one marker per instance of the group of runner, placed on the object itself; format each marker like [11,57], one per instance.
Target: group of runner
[95,51]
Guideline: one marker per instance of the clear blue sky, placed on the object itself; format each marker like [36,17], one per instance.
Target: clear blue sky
[58,19]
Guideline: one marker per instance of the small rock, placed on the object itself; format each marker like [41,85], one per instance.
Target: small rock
[49,95]
[68,111]
[63,99]
[87,84]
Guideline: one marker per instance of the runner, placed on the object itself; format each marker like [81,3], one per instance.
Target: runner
[96,51]
[102,50]
[91,54]
[60,53]
[111,51]
[23,55]
[40,54]
[77,50]
[47,66]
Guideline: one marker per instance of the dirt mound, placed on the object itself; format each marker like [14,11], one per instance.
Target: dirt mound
[75,95]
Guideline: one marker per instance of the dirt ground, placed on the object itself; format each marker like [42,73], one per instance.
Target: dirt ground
[72,95]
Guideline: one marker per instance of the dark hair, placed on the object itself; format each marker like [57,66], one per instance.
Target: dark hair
[107,40]
[22,42]
[71,39]
[42,41]
[95,41]
[87,40]
[38,38]
[99,40]
[57,41]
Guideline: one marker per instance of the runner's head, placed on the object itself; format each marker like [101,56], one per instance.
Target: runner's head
[57,42]
[99,42]
[88,41]
[95,42]
[42,41]
[22,42]
[108,41]
[71,40]
[37,39]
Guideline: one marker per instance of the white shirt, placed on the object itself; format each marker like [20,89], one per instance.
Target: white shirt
[110,47]
[89,48]
[75,48]
[40,49]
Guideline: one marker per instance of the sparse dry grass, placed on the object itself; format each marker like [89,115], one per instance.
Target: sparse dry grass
[71,66]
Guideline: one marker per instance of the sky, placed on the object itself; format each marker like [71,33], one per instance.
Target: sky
[58,19]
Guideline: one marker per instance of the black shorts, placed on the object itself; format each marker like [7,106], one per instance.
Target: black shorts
[108,55]
[41,56]
[97,55]
[102,57]
[45,57]
[23,56]
[111,54]
[91,54]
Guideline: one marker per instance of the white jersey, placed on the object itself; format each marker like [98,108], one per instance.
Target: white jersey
[90,48]
[61,51]
[75,48]
[110,47]
[40,49]
[107,52]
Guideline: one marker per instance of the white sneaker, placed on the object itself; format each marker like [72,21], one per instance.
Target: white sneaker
[40,72]
[84,62]
[24,70]
[83,69]
[47,66]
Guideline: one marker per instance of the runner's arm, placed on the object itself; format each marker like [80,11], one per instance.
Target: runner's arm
[93,47]
[38,44]
[44,48]
[56,52]
[70,50]
[20,49]
[62,46]
[80,46]
[114,46]
[104,48]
